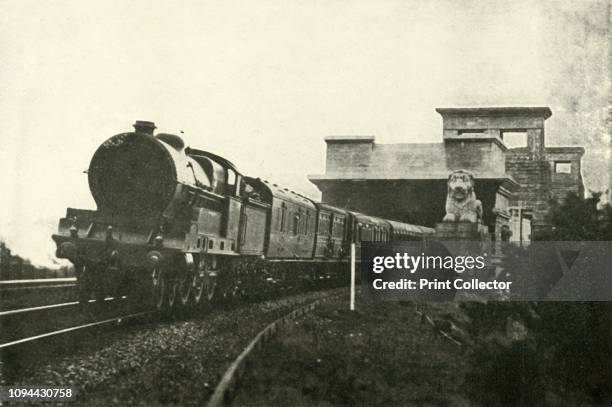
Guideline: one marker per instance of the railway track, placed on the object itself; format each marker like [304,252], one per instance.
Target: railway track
[29,335]
[31,323]
[81,327]
[49,307]
[18,294]
[190,352]
[24,325]
[28,323]
[39,283]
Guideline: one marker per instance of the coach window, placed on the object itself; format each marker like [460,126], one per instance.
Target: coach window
[307,223]
[323,223]
[334,229]
[283,217]
[296,223]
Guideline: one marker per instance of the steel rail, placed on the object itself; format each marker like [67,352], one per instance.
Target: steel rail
[74,328]
[40,308]
[37,284]
[36,287]
[51,306]
[38,281]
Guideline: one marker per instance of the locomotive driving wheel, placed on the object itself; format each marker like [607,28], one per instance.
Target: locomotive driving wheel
[205,280]
[186,279]
[184,287]
[159,289]
[173,286]
[204,286]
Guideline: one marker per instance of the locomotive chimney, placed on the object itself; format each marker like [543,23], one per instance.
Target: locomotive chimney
[142,126]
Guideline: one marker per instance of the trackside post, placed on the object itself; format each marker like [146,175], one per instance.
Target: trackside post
[352,276]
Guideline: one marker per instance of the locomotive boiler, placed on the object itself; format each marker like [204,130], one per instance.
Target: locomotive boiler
[177,226]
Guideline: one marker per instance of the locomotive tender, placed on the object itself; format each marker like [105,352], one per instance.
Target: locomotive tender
[176,225]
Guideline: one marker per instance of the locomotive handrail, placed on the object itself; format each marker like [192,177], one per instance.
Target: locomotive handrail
[195,189]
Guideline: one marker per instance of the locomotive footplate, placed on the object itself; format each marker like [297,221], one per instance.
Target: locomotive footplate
[114,253]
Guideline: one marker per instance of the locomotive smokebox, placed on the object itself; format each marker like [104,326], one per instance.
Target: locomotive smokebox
[133,174]
[137,175]
[143,126]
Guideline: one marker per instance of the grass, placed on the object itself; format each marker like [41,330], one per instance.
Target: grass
[385,354]
[380,355]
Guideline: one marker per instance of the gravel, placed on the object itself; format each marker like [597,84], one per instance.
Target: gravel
[166,363]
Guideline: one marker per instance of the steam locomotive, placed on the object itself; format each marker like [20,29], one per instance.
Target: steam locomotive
[179,226]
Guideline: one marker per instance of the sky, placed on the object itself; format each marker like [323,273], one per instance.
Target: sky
[262,83]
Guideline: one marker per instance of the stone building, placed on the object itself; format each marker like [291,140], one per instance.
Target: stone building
[504,147]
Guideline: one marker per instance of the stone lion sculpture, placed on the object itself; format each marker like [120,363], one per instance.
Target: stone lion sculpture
[461,202]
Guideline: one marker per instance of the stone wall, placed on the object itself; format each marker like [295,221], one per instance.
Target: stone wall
[564,183]
[535,185]
[479,156]
[348,154]
[540,182]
